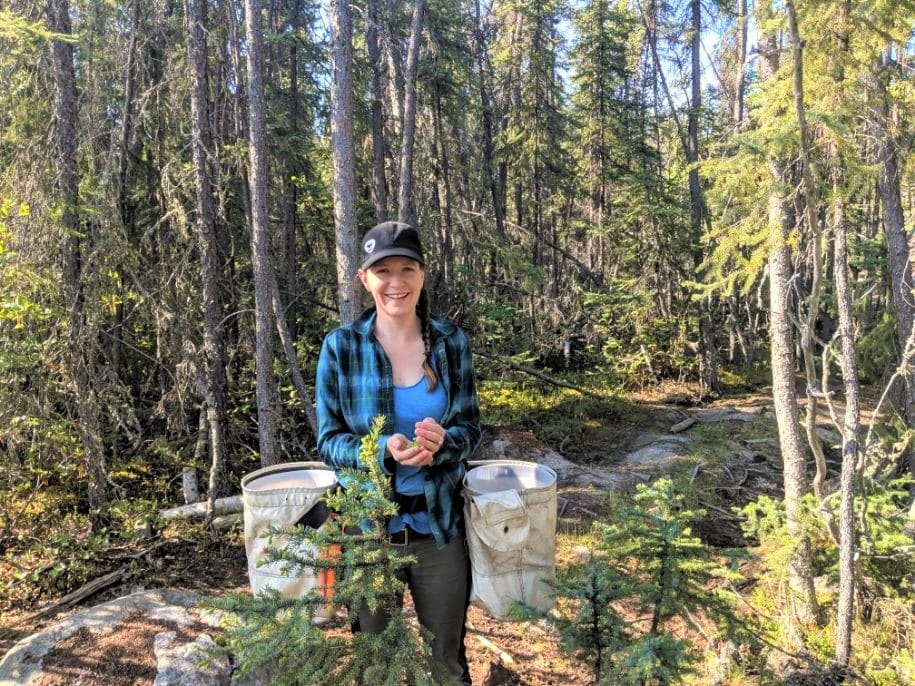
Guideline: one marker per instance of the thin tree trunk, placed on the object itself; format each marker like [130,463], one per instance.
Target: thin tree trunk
[214,377]
[79,333]
[803,601]
[489,168]
[845,611]
[379,181]
[344,157]
[396,78]
[289,268]
[406,209]
[240,133]
[292,359]
[900,250]
[126,205]
[708,362]
[260,238]
[445,172]
[808,332]
[740,75]
[852,418]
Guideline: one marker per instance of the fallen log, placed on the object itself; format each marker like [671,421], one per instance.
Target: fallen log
[684,425]
[226,522]
[81,593]
[222,506]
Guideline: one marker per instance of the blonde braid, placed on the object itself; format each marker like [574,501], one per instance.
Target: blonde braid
[422,309]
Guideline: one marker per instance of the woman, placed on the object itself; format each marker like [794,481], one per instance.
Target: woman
[416,370]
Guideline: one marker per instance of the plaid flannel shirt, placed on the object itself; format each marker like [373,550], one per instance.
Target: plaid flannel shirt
[355,384]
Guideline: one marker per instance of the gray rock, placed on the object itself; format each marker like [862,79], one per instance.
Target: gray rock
[649,439]
[23,663]
[179,664]
[510,445]
[725,414]
[829,436]
[768,442]
[660,455]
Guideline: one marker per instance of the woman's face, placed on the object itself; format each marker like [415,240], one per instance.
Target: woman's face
[395,284]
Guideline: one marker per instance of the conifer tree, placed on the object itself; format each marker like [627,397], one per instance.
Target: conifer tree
[277,638]
[647,558]
[532,143]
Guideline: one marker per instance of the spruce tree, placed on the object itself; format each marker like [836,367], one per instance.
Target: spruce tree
[647,563]
[276,637]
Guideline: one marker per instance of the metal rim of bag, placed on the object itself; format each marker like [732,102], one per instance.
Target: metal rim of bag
[475,464]
[249,478]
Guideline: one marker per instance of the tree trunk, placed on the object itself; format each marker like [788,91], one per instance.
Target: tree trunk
[214,377]
[406,209]
[260,237]
[900,250]
[740,75]
[293,168]
[708,362]
[344,158]
[295,370]
[445,174]
[379,181]
[79,333]
[803,601]
[395,75]
[489,167]
[852,418]
[845,611]
[811,201]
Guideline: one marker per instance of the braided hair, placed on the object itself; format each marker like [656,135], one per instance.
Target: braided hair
[422,309]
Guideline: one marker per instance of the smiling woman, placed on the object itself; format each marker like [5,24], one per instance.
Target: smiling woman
[395,284]
[414,369]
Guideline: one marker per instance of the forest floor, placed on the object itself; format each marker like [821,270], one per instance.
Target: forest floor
[188,557]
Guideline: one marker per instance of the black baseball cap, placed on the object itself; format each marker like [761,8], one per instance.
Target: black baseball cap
[391,239]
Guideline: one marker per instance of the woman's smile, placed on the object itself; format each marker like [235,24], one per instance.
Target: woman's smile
[395,284]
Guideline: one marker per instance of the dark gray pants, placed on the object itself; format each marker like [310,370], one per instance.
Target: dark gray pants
[438,582]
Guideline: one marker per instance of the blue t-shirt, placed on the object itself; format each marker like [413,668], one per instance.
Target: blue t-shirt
[412,404]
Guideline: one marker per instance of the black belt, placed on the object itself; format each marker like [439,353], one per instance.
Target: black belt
[411,504]
[406,536]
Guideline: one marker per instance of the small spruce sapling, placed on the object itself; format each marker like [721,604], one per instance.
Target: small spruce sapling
[648,562]
[275,637]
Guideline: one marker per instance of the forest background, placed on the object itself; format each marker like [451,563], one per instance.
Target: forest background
[618,194]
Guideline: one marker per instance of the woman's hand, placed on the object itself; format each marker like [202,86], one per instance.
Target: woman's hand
[408,453]
[430,435]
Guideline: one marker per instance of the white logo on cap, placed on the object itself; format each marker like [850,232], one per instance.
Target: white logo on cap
[369,246]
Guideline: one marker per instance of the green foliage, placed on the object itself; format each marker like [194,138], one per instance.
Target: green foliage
[276,637]
[876,351]
[639,346]
[646,573]
[579,426]
[885,565]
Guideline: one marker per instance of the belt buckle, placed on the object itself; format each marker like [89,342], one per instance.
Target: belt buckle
[400,538]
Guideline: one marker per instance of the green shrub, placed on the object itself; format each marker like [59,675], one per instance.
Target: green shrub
[646,573]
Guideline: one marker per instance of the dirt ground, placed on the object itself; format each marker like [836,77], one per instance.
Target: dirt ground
[500,653]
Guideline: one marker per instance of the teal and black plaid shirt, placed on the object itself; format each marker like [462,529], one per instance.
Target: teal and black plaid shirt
[355,384]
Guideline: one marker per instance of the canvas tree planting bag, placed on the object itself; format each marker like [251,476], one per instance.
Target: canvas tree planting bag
[510,514]
[282,495]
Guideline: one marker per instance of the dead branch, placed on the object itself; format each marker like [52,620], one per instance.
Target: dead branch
[222,506]
[79,594]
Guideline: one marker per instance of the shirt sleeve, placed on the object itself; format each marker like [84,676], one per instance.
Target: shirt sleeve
[338,444]
[462,422]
